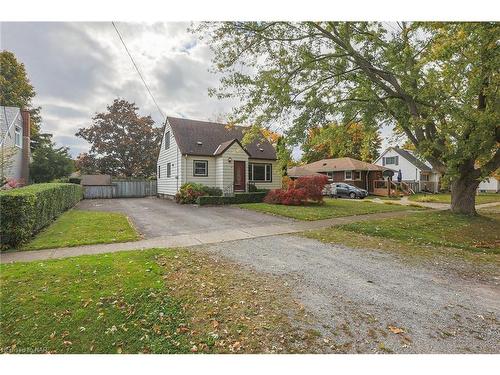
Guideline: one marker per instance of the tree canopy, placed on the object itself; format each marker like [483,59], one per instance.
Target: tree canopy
[16,89]
[436,83]
[123,144]
[336,141]
[50,162]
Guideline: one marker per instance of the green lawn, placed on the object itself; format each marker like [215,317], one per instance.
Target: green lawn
[480,233]
[76,227]
[331,208]
[148,301]
[446,198]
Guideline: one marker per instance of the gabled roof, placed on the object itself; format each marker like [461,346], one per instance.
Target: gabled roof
[225,145]
[301,171]
[408,155]
[342,164]
[8,115]
[204,138]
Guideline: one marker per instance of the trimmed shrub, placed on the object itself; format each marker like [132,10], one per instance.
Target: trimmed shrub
[190,191]
[26,210]
[313,186]
[75,180]
[212,191]
[255,197]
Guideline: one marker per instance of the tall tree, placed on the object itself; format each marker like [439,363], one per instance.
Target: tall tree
[122,142]
[337,141]
[437,83]
[50,162]
[16,91]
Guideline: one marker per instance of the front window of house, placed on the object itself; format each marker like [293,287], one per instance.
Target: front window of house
[260,172]
[352,175]
[17,136]
[200,168]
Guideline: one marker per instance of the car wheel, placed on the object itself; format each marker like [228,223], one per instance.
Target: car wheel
[352,195]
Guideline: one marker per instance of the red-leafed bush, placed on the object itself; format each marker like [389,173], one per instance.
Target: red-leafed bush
[274,196]
[294,197]
[299,191]
[313,185]
[289,197]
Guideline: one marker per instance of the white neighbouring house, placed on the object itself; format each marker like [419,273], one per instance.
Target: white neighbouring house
[212,154]
[490,185]
[419,174]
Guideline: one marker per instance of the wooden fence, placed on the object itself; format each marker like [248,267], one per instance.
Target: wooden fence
[120,189]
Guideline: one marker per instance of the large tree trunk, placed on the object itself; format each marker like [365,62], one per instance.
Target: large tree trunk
[463,195]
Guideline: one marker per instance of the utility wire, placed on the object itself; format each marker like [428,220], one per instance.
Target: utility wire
[139,72]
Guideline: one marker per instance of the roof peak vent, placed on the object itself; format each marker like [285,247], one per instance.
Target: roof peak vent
[199,143]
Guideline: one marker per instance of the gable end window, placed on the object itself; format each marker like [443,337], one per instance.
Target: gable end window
[167,140]
[169,169]
[17,136]
[390,160]
[200,168]
[258,172]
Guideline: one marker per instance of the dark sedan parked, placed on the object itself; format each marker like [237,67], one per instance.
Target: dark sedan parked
[339,189]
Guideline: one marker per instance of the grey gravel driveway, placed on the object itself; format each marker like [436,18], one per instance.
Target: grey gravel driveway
[369,301]
[156,217]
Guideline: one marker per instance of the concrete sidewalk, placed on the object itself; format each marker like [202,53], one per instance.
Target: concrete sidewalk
[184,240]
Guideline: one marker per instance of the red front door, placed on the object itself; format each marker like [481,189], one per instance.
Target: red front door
[239,176]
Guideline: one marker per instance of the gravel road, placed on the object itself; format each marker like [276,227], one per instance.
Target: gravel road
[368,301]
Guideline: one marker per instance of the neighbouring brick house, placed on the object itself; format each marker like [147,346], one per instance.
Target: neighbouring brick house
[348,170]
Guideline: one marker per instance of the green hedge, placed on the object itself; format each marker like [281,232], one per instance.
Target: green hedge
[255,197]
[26,210]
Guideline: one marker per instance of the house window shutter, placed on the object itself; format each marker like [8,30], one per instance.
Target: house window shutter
[397,160]
[383,160]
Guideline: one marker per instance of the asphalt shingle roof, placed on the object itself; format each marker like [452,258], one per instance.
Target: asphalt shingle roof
[412,159]
[342,164]
[204,138]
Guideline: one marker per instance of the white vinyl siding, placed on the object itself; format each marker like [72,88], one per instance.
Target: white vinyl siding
[276,176]
[168,185]
[188,170]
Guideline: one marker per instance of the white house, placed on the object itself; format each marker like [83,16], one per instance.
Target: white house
[490,185]
[419,173]
[212,154]
[14,143]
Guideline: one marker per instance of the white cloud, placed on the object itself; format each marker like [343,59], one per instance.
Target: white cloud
[78,69]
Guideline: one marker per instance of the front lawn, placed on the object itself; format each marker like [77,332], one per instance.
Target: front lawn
[446,198]
[331,208]
[479,233]
[148,301]
[77,227]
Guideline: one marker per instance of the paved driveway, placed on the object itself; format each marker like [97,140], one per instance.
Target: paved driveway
[155,217]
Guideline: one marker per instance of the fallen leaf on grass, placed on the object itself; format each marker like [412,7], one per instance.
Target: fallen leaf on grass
[395,330]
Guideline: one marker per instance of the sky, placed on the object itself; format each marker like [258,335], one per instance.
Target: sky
[78,69]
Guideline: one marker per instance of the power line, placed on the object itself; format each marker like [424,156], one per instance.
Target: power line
[139,72]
